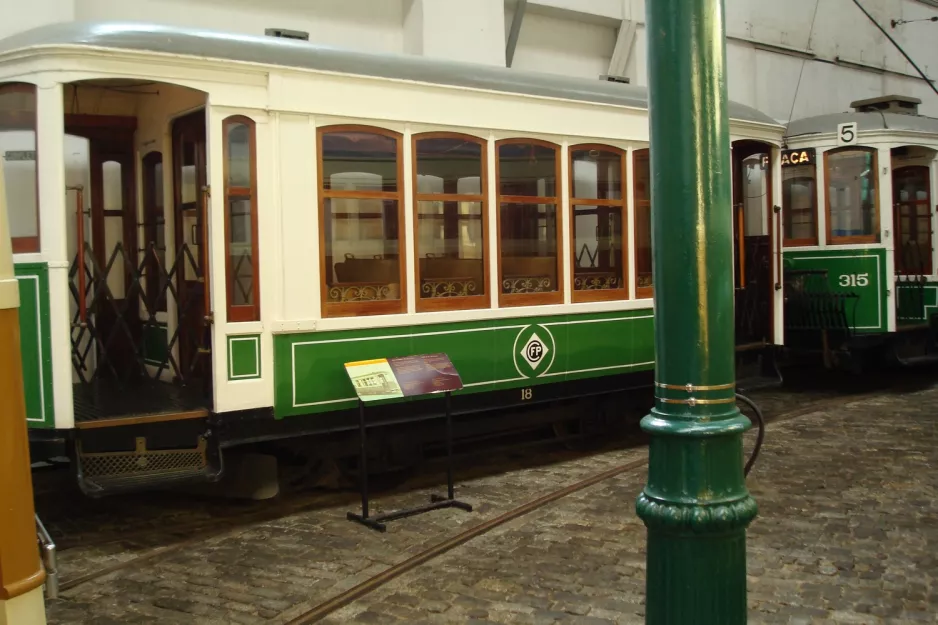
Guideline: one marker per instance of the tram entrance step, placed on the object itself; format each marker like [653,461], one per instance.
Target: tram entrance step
[107,472]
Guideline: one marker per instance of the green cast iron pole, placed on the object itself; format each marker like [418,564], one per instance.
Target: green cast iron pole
[695,506]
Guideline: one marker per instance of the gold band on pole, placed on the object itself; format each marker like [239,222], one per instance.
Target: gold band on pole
[690,388]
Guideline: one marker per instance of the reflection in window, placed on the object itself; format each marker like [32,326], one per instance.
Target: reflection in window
[241,220]
[154,225]
[361,221]
[756,195]
[799,203]
[450,221]
[642,191]
[18,154]
[528,220]
[851,193]
[598,211]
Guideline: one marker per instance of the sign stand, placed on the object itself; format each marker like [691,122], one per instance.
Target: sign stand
[403,377]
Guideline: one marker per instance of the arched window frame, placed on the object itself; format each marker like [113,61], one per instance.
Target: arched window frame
[25,245]
[453,303]
[622,204]
[853,239]
[244,312]
[381,307]
[641,205]
[531,299]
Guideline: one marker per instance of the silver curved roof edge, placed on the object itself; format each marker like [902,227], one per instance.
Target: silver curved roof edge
[866,122]
[274,51]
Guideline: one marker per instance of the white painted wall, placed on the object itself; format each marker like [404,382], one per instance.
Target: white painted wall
[577,37]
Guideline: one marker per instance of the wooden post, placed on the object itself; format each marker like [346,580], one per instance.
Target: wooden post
[21,574]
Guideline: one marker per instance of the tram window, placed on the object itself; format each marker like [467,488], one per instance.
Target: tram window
[913,233]
[361,221]
[598,211]
[641,173]
[241,251]
[18,153]
[451,222]
[529,225]
[799,205]
[154,226]
[851,195]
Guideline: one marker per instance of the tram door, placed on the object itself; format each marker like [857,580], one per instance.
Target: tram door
[189,180]
[912,215]
[752,249]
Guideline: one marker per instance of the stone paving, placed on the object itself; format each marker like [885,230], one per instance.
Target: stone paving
[847,533]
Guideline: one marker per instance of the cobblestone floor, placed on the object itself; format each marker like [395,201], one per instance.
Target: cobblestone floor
[847,533]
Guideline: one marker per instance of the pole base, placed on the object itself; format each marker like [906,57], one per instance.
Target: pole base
[437,502]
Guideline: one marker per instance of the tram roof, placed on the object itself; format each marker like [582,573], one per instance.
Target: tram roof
[866,122]
[301,54]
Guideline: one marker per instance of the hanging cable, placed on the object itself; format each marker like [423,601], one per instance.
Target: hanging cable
[807,47]
[898,47]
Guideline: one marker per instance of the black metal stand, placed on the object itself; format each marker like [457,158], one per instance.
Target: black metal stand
[436,501]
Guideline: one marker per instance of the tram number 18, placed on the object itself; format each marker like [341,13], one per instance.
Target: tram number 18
[526,394]
[854,279]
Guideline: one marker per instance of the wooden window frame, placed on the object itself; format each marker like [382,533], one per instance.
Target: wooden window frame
[642,292]
[786,242]
[244,312]
[432,304]
[856,239]
[530,299]
[26,245]
[381,307]
[603,295]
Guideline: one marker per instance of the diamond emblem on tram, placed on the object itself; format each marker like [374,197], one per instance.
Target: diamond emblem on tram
[534,351]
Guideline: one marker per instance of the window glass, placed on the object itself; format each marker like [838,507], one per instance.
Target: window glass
[239,155]
[598,209]
[597,174]
[529,248]
[799,203]
[913,253]
[362,249]
[597,231]
[642,190]
[450,232]
[851,193]
[359,161]
[527,169]
[241,217]
[361,222]
[18,154]
[756,195]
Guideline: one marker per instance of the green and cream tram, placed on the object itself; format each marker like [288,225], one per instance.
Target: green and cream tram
[208,225]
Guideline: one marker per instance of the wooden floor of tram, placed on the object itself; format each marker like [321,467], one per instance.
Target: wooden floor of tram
[108,404]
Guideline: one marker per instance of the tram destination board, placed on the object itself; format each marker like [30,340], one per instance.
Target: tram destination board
[406,376]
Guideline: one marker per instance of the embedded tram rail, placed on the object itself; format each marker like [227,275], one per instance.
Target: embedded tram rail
[94,564]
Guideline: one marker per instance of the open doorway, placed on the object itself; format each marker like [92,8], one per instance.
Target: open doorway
[139,344]
[752,249]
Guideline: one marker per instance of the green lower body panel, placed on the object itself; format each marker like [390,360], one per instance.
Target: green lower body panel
[918,301]
[850,271]
[490,355]
[35,343]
